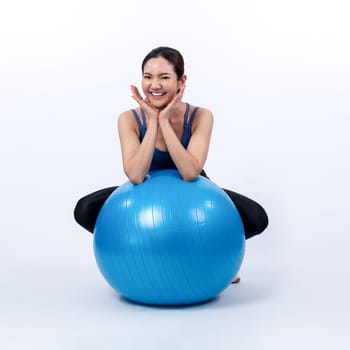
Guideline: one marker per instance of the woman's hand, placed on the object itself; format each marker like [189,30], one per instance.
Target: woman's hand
[143,103]
[169,109]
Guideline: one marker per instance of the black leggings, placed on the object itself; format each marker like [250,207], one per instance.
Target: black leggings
[253,215]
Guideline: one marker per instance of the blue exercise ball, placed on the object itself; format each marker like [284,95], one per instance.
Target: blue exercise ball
[168,241]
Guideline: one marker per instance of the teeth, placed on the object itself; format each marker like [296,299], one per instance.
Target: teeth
[157,93]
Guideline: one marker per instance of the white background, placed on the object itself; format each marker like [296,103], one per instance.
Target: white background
[276,75]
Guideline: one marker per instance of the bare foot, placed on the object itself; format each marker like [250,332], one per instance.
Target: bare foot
[236,280]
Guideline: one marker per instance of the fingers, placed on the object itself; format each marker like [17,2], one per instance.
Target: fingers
[135,94]
[143,102]
[178,96]
[182,89]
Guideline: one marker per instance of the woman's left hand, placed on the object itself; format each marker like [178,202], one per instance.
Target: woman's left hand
[169,109]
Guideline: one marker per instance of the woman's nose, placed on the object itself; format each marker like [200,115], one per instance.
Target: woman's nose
[155,83]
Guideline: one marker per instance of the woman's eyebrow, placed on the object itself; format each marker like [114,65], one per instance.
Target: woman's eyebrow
[165,73]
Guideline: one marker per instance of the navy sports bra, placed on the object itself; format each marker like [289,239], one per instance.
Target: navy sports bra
[162,159]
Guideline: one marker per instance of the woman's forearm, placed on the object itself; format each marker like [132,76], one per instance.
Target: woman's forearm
[186,163]
[137,166]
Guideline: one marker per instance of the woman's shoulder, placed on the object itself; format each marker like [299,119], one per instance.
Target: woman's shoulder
[203,117]
[201,113]
[130,113]
[200,110]
[128,117]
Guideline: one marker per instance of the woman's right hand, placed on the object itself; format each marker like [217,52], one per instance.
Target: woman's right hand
[143,103]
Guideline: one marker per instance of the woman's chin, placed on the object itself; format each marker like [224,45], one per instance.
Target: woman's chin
[159,104]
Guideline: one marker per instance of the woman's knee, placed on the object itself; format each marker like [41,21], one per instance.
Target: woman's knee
[88,207]
[83,215]
[258,223]
[79,210]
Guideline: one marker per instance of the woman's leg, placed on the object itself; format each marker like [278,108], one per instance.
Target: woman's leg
[88,207]
[253,215]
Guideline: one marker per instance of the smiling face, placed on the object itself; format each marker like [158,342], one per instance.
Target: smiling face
[159,82]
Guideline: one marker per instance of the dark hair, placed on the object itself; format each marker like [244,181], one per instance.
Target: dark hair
[171,55]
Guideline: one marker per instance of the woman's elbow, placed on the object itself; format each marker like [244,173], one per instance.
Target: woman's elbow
[136,179]
[190,175]
[188,178]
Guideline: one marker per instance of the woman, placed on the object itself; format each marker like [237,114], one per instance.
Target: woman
[165,133]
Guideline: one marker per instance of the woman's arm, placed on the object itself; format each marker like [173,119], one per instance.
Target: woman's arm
[136,156]
[189,161]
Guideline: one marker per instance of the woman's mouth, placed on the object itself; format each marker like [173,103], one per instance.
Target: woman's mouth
[157,95]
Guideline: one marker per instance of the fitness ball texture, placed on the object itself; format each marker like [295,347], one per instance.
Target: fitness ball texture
[168,241]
